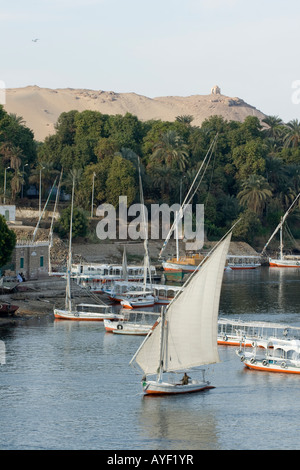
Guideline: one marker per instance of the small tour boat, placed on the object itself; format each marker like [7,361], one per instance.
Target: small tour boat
[237,262]
[273,355]
[176,344]
[235,332]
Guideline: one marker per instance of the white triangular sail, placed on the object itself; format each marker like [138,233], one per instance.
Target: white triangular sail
[190,321]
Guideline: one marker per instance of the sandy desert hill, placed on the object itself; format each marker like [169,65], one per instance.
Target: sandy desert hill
[41,107]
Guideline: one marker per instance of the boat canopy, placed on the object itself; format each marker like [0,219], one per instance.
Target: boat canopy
[285,345]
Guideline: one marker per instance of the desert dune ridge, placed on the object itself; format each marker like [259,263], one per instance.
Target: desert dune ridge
[41,107]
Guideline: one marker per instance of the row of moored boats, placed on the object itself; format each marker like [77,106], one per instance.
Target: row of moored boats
[186,333]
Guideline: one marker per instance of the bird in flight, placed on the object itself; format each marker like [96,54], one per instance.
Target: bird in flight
[35,40]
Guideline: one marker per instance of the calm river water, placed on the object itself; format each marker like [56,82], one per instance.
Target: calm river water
[68,385]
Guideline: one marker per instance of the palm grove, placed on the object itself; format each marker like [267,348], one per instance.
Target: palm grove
[254,173]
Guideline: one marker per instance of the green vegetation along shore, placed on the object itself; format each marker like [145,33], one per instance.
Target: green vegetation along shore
[253,174]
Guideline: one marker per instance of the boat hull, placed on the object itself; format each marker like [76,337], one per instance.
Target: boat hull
[132,332]
[167,388]
[173,268]
[131,305]
[284,263]
[280,366]
[235,268]
[127,329]
[81,316]
[234,342]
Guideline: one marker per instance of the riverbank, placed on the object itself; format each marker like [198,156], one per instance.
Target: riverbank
[40,297]
[109,251]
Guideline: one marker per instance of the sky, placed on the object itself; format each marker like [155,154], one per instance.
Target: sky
[249,48]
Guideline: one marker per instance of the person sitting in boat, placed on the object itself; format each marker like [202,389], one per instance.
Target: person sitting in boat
[185,379]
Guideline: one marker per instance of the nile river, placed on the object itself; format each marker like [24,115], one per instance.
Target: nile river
[68,385]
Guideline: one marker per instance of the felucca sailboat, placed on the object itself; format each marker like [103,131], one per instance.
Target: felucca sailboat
[186,334]
[86,312]
[175,268]
[283,260]
[145,297]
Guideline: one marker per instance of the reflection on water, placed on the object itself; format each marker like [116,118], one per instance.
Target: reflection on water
[180,424]
[265,292]
[68,385]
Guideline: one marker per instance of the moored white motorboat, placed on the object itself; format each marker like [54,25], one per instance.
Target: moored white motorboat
[274,355]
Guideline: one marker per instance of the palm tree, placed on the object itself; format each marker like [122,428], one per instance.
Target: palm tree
[164,179]
[185,119]
[275,172]
[15,159]
[275,127]
[16,183]
[17,119]
[255,193]
[171,150]
[292,133]
[13,154]
[6,149]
